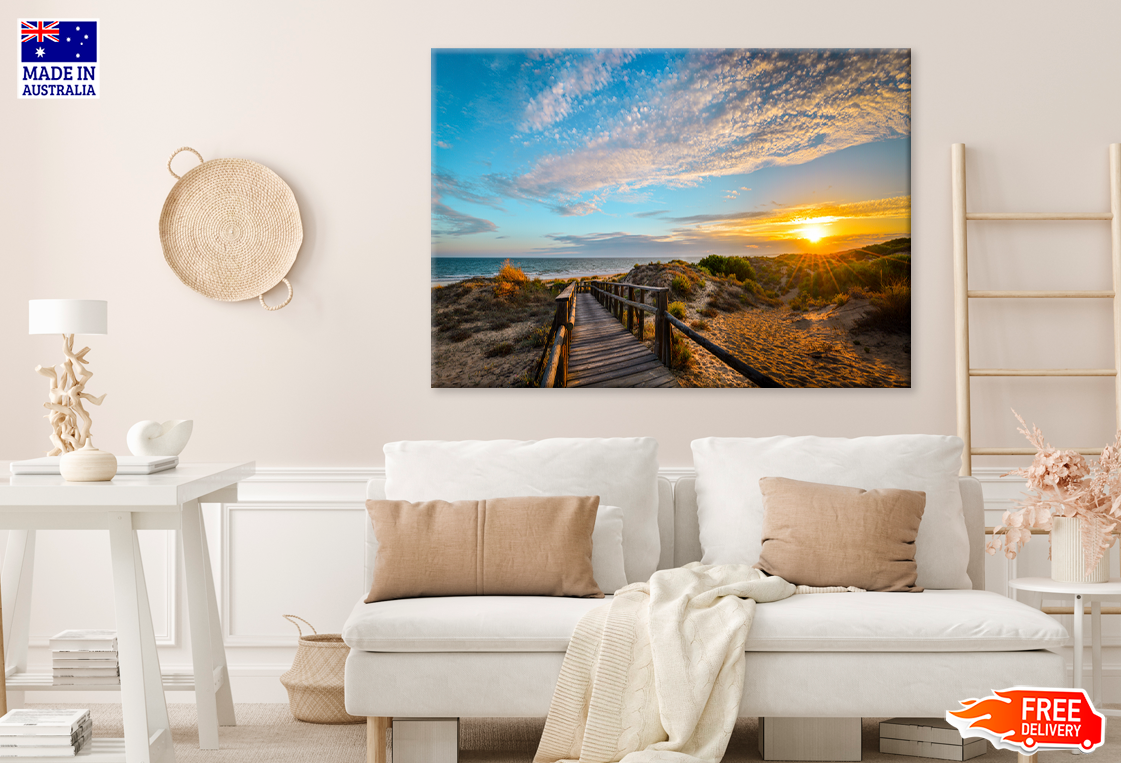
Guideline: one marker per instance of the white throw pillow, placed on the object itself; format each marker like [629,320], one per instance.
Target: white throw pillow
[623,472]
[730,504]
[607,550]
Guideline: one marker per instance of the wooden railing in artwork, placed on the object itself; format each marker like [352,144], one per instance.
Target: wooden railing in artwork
[619,299]
[560,339]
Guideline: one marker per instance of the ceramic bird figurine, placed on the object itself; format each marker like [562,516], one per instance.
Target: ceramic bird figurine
[151,438]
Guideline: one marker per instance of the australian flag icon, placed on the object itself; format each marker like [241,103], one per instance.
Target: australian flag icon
[58,42]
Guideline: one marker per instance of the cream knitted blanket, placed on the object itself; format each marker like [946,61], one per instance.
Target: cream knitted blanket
[656,675]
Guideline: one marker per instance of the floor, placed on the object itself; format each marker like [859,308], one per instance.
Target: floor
[269,734]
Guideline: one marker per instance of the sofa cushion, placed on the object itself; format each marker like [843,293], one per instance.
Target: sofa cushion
[535,546]
[621,471]
[829,535]
[467,624]
[607,542]
[607,549]
[730,504]
[932,621]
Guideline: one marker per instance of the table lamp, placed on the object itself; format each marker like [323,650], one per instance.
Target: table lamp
[70,422]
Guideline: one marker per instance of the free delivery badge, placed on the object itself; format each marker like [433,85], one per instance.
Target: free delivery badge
[1027,719]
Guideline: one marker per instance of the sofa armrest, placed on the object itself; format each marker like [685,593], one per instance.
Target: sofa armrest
[973,505]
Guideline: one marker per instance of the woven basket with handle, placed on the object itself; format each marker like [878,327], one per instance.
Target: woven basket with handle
[231,229]
[315,680]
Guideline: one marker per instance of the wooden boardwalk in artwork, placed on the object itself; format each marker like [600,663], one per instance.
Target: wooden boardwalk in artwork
[604,354]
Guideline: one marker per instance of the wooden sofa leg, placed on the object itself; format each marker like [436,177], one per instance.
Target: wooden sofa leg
[375,738]
[1025,758]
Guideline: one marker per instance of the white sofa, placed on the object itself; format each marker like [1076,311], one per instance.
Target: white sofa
[838,656]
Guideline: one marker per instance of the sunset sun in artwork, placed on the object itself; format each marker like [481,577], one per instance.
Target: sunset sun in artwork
[814,233]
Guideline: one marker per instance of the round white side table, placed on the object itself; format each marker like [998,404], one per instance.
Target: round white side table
[1081,593]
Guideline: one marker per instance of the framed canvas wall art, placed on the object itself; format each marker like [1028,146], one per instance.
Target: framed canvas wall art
[760,198]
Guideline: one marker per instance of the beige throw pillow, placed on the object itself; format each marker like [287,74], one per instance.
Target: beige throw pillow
[827,535]
[538,546]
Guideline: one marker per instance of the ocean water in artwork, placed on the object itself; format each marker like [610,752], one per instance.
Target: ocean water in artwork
[671,218]
[446,270]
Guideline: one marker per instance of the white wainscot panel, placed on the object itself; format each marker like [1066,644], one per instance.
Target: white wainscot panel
[291,558]
[73,584]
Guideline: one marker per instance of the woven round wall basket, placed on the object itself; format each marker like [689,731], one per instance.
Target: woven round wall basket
[231,229]
[315,680]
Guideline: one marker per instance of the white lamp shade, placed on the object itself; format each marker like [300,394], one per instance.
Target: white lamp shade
[68,316]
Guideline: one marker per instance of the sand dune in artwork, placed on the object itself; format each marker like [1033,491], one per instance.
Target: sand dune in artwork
[813,349]
[841,320]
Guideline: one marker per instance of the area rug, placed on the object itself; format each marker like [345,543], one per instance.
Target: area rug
[269,734]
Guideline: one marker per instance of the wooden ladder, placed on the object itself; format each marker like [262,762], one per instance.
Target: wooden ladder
[962,295]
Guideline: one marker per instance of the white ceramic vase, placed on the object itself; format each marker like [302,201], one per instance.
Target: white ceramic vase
[1068,565]
[87,464]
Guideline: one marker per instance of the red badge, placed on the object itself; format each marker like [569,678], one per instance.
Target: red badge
[1026,719]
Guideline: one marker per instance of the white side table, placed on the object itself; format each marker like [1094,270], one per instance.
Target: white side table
[165,501]
[1093,592]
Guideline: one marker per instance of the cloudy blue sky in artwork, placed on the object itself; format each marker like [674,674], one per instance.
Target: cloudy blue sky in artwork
[668,153]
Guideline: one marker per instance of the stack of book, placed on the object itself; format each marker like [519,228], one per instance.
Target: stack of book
[85,658]
[41,733]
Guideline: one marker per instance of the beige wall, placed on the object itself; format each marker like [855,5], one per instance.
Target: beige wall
[1029,86]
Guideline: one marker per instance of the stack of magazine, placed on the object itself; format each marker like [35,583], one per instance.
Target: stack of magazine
[85,657]
[41,733]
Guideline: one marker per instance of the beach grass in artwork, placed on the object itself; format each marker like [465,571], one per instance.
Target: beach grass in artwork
[761,197]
